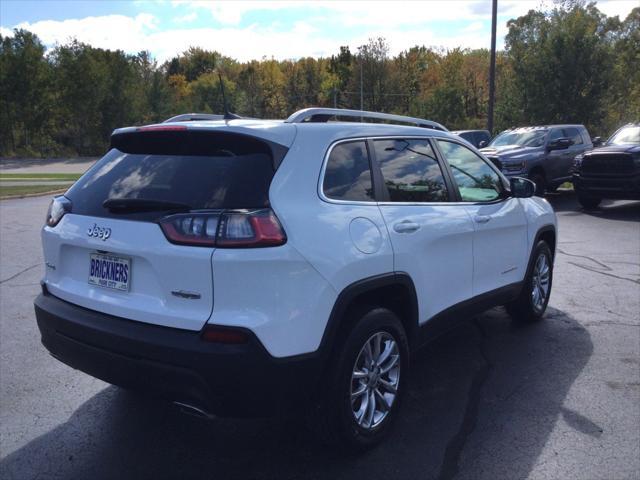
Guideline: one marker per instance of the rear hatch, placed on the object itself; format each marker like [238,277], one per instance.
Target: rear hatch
[134,239]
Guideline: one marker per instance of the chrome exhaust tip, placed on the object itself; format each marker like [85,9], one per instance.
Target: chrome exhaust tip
[193,410]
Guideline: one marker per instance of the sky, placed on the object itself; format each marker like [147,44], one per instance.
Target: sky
[248,30]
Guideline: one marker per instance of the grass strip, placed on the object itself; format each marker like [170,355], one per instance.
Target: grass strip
[40,176]
[22,190]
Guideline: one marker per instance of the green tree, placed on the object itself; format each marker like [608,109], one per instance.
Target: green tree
[341,71]
[446,103]
[374,67]
[562,64]
[25,94]
[625,88]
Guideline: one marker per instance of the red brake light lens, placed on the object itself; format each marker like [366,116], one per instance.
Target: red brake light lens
[58,207]
[212,333]
[230,229]
[163,128]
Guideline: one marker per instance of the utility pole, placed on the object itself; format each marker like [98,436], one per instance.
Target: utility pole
[361,92]
[492,67]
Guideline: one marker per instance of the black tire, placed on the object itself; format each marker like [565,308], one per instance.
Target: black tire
[524,309]
[335,419]
[541,183]
[589,203]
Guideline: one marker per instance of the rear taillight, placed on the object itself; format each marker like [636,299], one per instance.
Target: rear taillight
[227,229]
[215,334]
[57,209]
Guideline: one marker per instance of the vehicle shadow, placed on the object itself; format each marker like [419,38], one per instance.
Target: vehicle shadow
[567,202]
[469,391]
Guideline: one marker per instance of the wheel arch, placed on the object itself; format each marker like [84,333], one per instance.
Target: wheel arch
[394,290]
[538,169]
[548,234]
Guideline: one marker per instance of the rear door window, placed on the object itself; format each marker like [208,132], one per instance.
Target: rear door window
[556,133]
[348,173]
[481,137]
[574,134]
[469,137]
[205,173]
[410,170]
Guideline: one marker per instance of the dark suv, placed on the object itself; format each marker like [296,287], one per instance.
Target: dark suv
[610,171]
[544,154]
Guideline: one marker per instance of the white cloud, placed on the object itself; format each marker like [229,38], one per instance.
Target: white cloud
[474,27]
[188,18]
[253,42]
[321,34]
[622,8]
[231,12]
[130,34]
[396,13]
[371,13]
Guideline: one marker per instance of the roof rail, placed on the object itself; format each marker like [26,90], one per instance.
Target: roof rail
[325,114]
[192,117]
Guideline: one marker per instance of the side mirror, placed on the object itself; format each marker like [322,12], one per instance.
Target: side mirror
[482,144]
[522,187]
[560,144]
[597,141]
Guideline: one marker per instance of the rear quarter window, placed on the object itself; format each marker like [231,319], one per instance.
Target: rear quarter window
[347,175]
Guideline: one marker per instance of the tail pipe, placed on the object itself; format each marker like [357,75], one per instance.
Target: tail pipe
[193,410]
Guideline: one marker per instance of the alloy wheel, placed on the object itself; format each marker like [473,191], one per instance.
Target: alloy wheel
[541,282]
[375,380]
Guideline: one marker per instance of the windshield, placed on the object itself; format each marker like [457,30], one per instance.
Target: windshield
[530,138]
[625,135]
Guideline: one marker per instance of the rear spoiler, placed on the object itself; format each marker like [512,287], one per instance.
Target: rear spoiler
[174,139]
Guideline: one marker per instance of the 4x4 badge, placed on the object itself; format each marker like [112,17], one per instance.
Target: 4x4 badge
[99,232]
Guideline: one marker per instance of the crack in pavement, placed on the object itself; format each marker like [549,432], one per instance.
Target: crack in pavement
[603,265]
[450,463]
[20,273]
[606,267]
[604,273]
[610,322]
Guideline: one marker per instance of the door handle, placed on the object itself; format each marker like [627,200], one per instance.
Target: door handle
[482,218]
[406,226]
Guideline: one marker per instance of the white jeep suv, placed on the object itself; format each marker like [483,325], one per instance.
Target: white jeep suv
[249,267]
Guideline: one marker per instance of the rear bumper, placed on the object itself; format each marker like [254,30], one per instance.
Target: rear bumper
[228,380]
[623,188]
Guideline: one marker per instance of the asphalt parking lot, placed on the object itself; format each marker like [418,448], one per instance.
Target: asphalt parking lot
[491,400]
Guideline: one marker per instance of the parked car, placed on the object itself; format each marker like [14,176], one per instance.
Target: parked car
[251,267]
[544,154]
[610,171]
[477,138]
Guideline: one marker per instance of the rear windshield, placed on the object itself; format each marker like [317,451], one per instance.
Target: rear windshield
[218,175]
[627,135]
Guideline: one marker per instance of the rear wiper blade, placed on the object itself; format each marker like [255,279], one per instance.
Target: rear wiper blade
[142,205]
